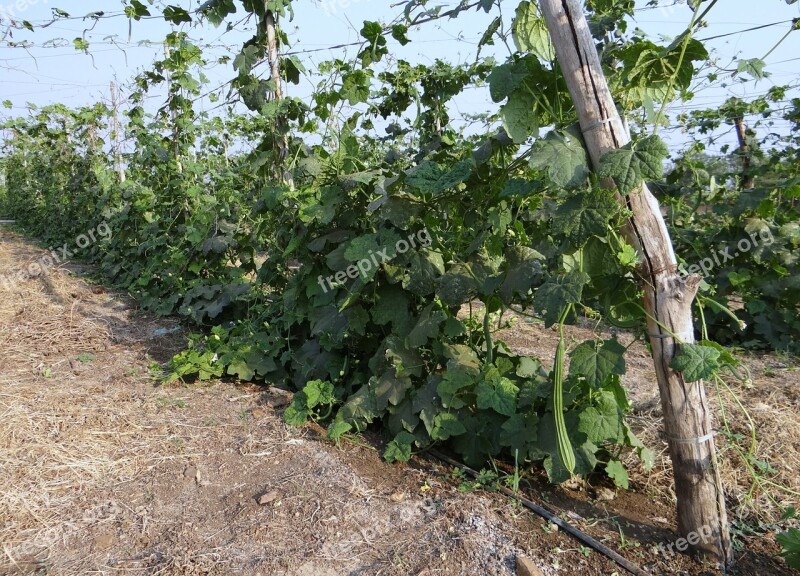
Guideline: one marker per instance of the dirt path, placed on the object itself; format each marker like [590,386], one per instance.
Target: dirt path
[104,472]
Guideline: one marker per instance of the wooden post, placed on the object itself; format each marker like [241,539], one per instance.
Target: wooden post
[281,137]
[175,131]
[116,136]
[748,182]
[668,297]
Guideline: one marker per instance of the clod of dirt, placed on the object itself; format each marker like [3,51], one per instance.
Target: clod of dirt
[526,567]
[268,497]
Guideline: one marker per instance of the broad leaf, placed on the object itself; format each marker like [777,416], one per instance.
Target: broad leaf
[696,362]
[499,394]
[616,471]
[562,156]
[399,449]
[595,360]
[554,295]
[637,161]
[530,31]
[584,215]
[446,425]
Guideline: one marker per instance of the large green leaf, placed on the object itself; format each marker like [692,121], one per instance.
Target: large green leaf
[595,360]
[635,162]
[519,116]
[530,31]
[562,156]
[554,295]
[603,422]
[584,215]
[696,362]
[446,425]
[498,393]
[523,271]
[399,449]
[427,326]
[355,86]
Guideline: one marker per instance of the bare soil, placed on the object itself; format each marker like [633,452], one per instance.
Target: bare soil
[103,471]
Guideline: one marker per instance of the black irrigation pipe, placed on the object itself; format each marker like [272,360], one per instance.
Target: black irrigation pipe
[546,514]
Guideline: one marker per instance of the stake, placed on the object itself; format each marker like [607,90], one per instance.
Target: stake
[667,296]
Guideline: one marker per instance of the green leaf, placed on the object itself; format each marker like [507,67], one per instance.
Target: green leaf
[389,389]
[505,79]
[481,440]
[427,326]
[499,394]
[790,544]
[523,271]
[595,360]
[519,116]
[586,214]
[446,425]
[616,471]
[399,33]
[458,285]
[562,157]
[696,362]
[637,161]
[519,432]
[430,178]
[392,307]
[176,15]
[338,428]
[81,44]
[362,247]
[530,31]
[215,10]
[463,371]
[603,421]
[520,187]
[297,413]
[399,449]
[318,392]
[424,267]
[753,66]
[554,295]
[355,86]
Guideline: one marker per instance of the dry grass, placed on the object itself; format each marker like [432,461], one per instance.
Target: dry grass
[66,425]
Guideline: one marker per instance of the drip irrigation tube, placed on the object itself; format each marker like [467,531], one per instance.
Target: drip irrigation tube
[568,528]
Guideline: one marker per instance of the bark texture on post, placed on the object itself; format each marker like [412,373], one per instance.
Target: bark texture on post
[116,133]
[744,151]
[667,296]
[281,137]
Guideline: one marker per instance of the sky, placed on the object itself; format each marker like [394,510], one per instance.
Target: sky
[43,67]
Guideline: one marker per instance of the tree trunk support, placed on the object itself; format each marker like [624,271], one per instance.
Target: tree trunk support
[748,182]
[668,297]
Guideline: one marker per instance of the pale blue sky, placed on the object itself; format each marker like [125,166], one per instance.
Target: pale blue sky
[49,72]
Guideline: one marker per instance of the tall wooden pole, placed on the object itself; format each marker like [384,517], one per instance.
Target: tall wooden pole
[281,137]
[702,519]
[748,182]
[116,135]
